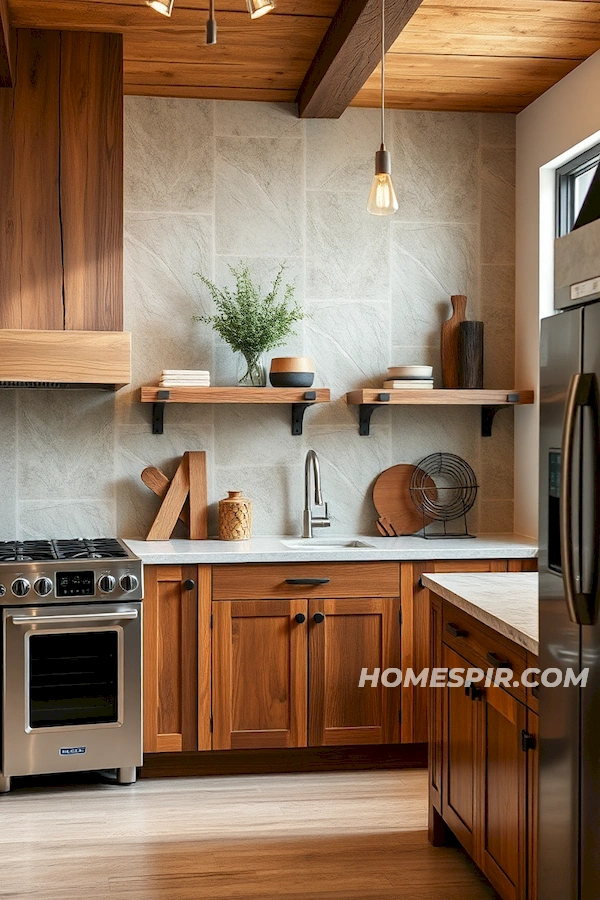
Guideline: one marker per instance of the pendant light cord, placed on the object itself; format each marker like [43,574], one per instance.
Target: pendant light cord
[382,73]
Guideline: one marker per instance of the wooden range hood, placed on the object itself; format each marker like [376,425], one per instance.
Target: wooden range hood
[61,212]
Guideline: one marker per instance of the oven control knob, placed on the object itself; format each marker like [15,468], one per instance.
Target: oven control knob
[43,587]
[129,582]
[107,583]
[20,587]
[2,590]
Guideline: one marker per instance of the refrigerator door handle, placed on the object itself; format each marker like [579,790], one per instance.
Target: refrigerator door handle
[583,391]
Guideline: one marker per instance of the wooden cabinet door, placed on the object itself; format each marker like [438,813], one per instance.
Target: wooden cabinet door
[503,775]
[176,658]
[461,758]
[259,673]
[532,805]
[415,632]
[346,636]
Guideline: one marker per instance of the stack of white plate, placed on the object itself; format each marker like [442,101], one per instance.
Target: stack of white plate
[409,378]
[184,378]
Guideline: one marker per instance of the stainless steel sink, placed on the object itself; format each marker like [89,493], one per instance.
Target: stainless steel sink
[314,544]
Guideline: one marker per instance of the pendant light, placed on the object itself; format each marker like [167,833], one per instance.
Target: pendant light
[258,8]
[382,199]
[211,24]
[165,7]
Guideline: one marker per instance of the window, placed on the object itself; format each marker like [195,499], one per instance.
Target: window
[573,181]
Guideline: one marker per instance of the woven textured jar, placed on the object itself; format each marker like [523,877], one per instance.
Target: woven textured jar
[235,517]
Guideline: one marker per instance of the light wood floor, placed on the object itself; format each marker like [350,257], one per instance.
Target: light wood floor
[329,836]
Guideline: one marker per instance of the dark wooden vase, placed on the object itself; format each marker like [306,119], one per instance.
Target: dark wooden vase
[470,355]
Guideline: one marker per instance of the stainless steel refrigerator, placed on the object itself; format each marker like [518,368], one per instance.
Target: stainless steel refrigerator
[569,750]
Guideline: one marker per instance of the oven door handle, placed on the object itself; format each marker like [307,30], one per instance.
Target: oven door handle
[91,617]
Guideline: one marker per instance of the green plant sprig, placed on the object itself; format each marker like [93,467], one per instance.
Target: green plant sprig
[248,321]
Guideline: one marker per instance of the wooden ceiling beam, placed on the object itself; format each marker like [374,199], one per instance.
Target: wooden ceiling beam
[349,54]
[6,58]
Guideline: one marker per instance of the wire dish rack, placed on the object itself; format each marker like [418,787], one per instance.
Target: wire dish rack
[449,498]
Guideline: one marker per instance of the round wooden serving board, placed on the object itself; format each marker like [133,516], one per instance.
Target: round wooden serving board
[392,499]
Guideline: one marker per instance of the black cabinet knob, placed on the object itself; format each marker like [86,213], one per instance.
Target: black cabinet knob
[473,692]
[300,618]
[318,617]
[189,584]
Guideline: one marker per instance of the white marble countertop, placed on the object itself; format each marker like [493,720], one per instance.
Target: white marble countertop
[505,601]
[277,549]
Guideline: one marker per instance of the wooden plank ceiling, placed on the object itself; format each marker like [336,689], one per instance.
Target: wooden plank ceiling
[487,55]
[453,54]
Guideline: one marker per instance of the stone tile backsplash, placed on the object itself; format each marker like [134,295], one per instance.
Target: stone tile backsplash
[211,184]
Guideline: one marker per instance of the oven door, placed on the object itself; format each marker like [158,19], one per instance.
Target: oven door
[72,688]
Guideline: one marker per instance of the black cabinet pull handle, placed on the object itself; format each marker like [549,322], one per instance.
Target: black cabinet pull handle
[307,580]
[495,660]
[318,617]
[455,631]
[189,584]
[300,618]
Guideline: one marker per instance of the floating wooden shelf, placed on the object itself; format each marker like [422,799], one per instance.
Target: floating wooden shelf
[299,399]
[490,401]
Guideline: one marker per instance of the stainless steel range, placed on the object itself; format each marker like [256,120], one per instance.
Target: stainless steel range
[71,658]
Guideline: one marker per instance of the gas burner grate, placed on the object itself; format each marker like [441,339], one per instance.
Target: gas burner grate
[93,548]
[26,551]
[78,548]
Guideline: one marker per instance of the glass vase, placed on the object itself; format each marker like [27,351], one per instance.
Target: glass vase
[251,370]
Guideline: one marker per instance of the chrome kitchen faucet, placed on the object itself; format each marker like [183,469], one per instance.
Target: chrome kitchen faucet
[310,521]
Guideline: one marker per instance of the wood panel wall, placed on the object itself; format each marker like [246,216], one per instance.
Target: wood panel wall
[61,183]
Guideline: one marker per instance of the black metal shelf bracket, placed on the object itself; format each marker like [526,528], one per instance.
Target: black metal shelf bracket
[298,410]
[488,413]
[365,411]
[158,412]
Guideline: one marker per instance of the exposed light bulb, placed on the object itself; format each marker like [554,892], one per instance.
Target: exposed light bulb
[258,8]
[165,7]
[382,198]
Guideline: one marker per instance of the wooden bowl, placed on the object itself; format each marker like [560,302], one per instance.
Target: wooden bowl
[292,371]
[292,364]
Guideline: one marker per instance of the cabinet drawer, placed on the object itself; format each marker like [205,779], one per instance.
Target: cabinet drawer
[480,645]
[319,580]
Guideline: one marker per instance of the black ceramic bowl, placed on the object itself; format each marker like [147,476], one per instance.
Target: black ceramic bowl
[291,379]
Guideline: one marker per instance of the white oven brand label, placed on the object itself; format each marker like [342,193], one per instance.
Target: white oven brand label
[72,751]
[585,288]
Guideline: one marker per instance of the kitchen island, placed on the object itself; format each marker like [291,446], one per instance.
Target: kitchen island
[483,734]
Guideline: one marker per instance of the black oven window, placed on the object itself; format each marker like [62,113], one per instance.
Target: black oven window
[73,678]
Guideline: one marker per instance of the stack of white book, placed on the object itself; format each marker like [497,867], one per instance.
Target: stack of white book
[409,378]
[184,378]
[409,384]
